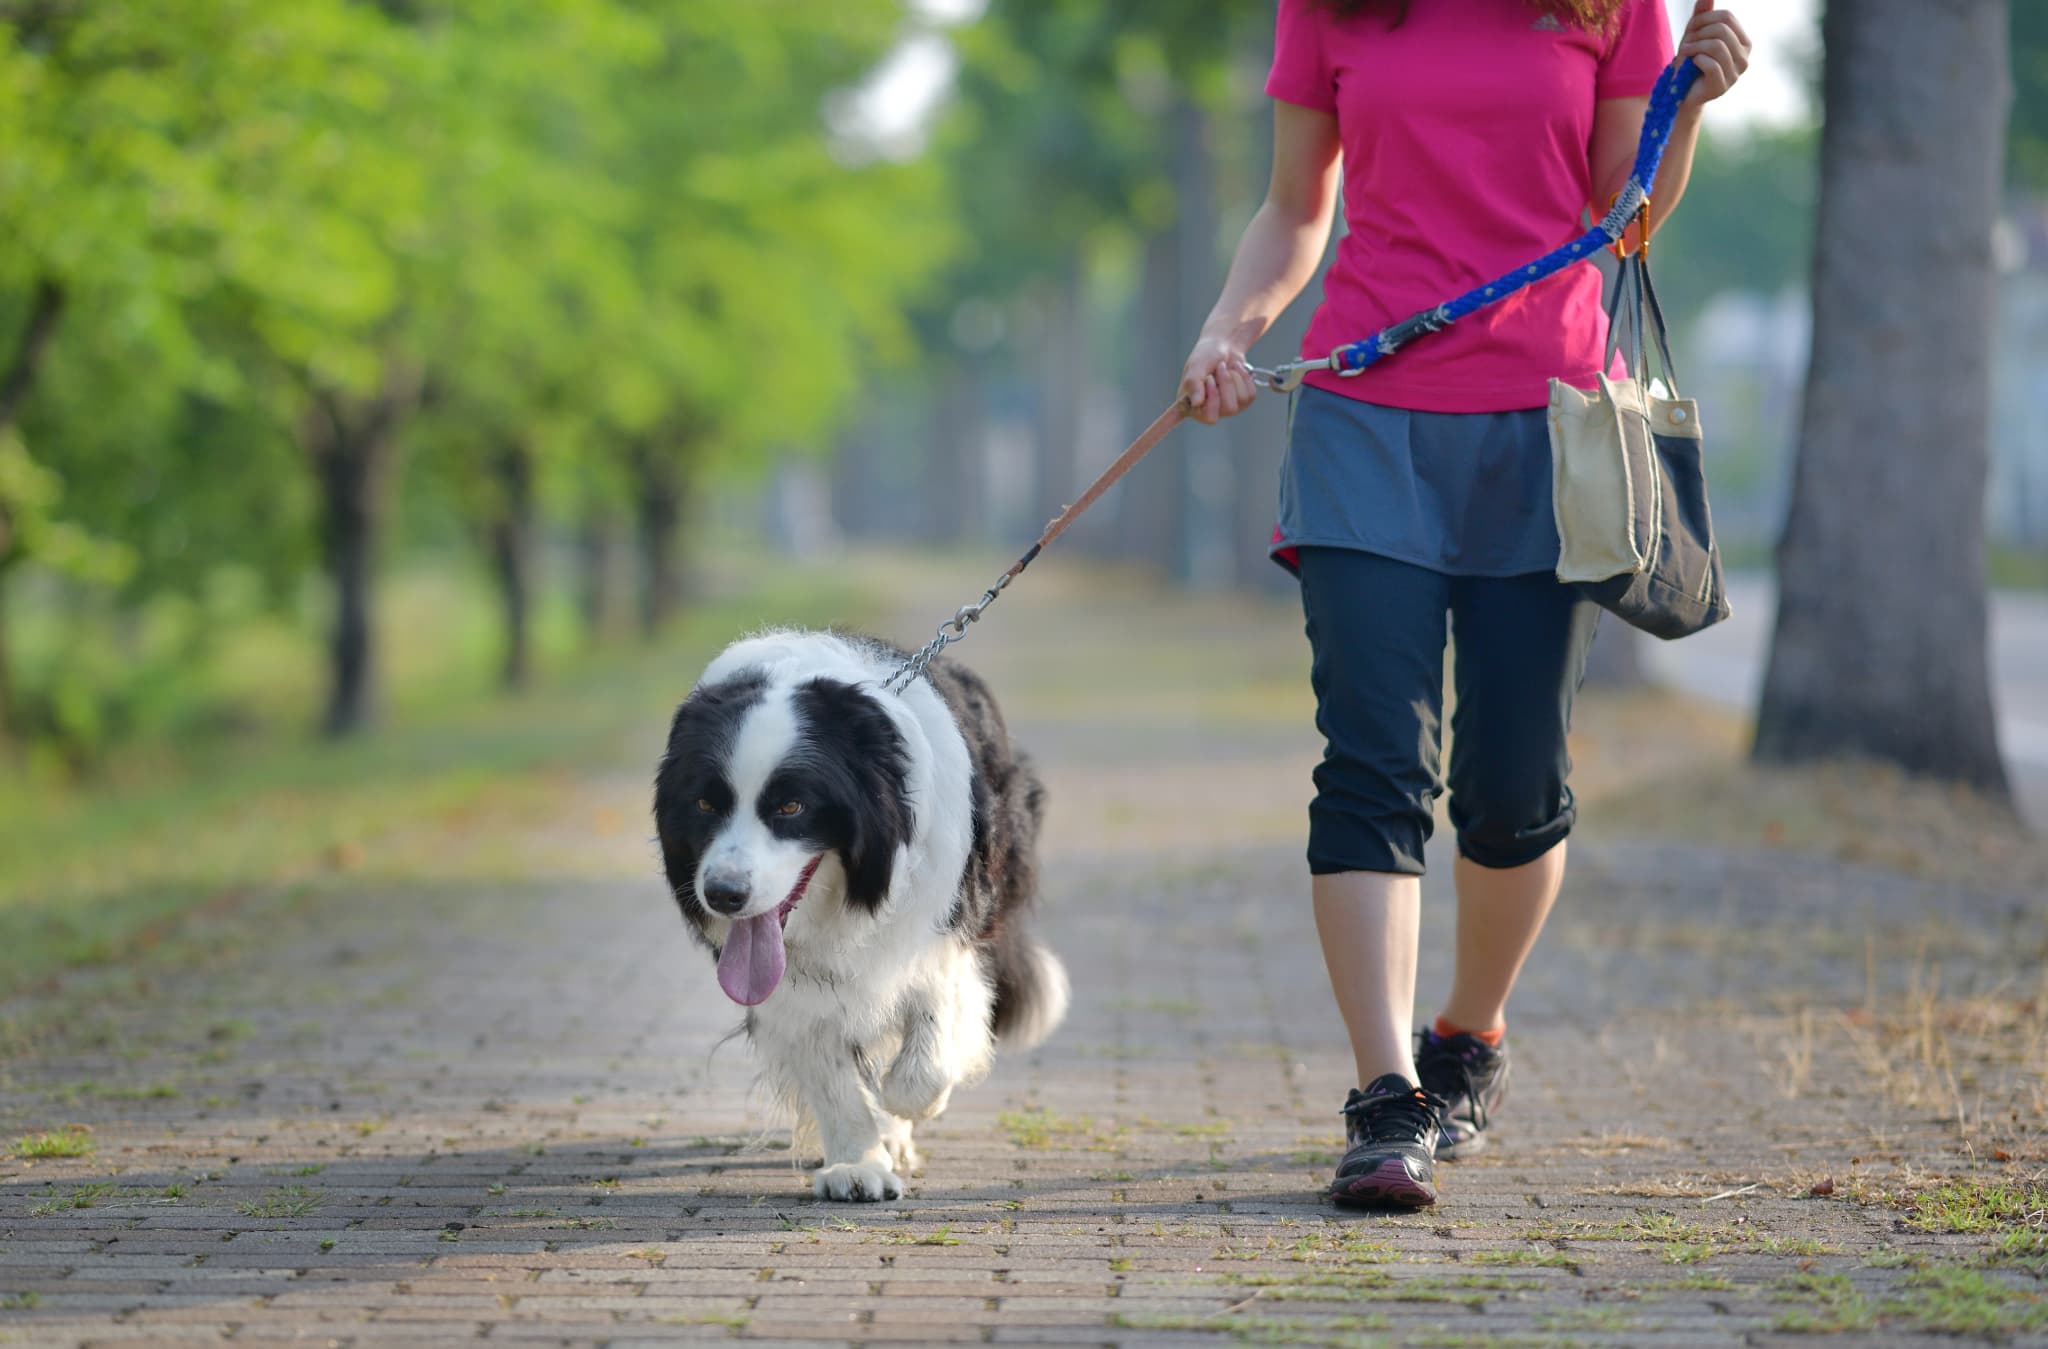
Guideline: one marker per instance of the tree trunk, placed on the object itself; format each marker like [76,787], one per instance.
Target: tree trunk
[46,306]
[658,513]
[7,704]
[1149,505]
[956,467]
[512,561]
[1880,644]
[1206,479]
[1063,384]
[354,448]
[594,590]
[350,517]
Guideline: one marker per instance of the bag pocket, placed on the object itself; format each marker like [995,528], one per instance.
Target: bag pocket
[1603,481]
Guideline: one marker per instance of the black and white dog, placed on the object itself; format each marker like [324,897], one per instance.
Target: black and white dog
[860,863]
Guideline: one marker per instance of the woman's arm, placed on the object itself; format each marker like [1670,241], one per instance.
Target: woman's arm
[1275,259]
[1716,43]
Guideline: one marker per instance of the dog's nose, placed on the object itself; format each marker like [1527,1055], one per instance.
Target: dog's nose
[724,894]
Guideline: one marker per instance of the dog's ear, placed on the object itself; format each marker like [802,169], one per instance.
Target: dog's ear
[700,739]
[870,748]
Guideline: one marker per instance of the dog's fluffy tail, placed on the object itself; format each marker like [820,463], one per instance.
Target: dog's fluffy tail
[1032,993]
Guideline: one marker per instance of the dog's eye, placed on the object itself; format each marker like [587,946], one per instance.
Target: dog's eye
[790,808]
[706,806]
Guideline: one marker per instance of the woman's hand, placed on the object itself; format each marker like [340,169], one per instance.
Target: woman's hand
[1715,42]
[1216,382]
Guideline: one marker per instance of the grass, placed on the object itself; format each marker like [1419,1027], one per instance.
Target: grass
[1329,1246]
[89,1196]
[1040,1128]
[1951,1301]
[1700,1283]
[1979,1206]
[941,1236]
[99,872]
[1942,1299]
[1334,1331]
[2026,1248]
[72,1142]
[292,1201]
[730,1320]
[2012,568]
[1599,1319]
[1523,1256]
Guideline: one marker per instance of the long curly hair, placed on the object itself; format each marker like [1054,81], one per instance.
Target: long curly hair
[1596,15]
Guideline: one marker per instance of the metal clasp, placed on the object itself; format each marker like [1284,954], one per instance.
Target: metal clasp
[1285,378]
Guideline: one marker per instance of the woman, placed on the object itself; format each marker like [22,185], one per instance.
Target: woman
[1472,136]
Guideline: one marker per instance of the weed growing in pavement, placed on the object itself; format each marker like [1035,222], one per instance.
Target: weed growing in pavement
[292,1201]
[1942,1299]
[75,1141]
[1040,1128]
[1523,1255]
[1972,1205]
[1339,1332]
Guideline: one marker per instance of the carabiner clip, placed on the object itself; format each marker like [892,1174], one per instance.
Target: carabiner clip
[1285,378]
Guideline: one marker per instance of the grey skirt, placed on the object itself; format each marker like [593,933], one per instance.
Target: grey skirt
[1462,493]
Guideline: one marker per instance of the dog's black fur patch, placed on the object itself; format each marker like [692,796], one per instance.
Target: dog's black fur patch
[849,767]
[1001,880]
[700,740]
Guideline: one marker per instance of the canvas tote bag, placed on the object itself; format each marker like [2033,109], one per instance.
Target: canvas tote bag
[1628,483]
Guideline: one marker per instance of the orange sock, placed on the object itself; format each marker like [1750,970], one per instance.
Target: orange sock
[1491,1038]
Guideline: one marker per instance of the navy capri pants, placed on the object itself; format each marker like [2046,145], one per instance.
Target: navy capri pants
[1377,629]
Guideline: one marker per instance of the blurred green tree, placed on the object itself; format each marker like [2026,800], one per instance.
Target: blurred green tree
[561,253]
[2027,163]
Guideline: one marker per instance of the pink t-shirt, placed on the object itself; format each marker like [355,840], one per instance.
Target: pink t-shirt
[1466,136]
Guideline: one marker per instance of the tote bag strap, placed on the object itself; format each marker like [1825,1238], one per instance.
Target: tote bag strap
[1634,304]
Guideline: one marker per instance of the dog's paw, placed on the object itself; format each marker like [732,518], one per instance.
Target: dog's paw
[856,1182]
[902,1152]
[915,1089]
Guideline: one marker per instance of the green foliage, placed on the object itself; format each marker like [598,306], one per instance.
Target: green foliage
[593,233]
[100,871]
[2027,151]
[1747,221]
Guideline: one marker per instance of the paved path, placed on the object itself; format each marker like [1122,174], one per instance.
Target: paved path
[469,1090]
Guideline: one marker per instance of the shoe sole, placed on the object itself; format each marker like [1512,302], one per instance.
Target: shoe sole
[1387,1185]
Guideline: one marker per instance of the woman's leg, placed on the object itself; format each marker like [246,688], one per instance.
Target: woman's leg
[1500,914]
[1368,921]
[1376,627]
[1521,653]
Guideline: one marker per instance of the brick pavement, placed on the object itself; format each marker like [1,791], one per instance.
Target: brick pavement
[473,1089]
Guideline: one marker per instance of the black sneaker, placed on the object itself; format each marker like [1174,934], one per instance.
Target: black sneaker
[1390,1132]
[1471,1077]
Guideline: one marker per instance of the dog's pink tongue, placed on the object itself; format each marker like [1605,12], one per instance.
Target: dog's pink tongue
[750,966]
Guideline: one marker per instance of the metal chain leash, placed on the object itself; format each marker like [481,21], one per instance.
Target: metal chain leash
[949,632]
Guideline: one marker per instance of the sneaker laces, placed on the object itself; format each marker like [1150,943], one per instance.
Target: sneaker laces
[1393,1118]
[1435,1057]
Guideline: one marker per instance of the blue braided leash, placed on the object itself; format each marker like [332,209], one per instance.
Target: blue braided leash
[1657,122]
[1348,360]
